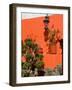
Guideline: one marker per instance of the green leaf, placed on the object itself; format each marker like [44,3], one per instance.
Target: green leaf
[39,56]
[29,56]
[28,42]
[26,65]
[39,64]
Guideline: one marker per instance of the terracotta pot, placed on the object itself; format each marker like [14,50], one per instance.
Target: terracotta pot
[52,49]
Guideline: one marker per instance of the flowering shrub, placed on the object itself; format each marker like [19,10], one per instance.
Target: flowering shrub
[33,55]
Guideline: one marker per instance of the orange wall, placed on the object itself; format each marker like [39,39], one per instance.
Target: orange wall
[35,29]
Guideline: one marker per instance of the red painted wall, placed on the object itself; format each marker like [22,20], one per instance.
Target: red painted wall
[34,28]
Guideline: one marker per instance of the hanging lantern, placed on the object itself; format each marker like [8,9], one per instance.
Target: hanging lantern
[46,21]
